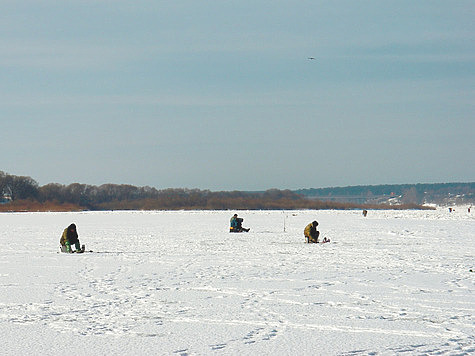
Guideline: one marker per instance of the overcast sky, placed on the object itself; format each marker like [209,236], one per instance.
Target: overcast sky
[222,95]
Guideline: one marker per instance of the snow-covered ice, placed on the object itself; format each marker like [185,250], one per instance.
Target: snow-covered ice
[178,283]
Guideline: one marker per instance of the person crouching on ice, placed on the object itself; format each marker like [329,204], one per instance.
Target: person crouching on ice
[70,237]
[236,224]
[311,233]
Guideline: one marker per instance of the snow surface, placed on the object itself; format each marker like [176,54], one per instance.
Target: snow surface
[178,283]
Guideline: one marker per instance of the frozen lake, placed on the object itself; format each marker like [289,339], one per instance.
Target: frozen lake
[178,283]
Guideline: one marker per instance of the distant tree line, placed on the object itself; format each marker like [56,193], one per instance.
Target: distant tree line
[437,193]
[129,197]
[18,187]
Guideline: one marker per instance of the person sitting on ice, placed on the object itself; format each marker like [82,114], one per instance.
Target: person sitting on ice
[70,237]
[236,224]
[311,233]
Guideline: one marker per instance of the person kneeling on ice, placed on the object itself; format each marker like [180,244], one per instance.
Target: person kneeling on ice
[236,224]
[311,233]
[70,237]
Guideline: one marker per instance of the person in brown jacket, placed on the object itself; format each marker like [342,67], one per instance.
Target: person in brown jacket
[311,233]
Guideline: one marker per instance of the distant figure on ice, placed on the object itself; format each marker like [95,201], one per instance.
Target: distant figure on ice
[236,224]
[311,233]
[365,212]
[70,237]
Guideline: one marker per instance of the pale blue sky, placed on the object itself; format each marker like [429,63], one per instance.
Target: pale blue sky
[221,95]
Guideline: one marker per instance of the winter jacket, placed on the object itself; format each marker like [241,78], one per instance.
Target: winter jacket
[311,233]
[308,230]
[69,237]
[234,222]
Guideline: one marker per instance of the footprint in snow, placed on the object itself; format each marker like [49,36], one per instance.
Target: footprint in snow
[218,346]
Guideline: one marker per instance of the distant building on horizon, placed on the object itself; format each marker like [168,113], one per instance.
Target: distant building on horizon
[6,196]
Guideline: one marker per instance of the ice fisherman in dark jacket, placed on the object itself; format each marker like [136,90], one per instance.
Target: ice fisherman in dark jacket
[70,237]
[236,224]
